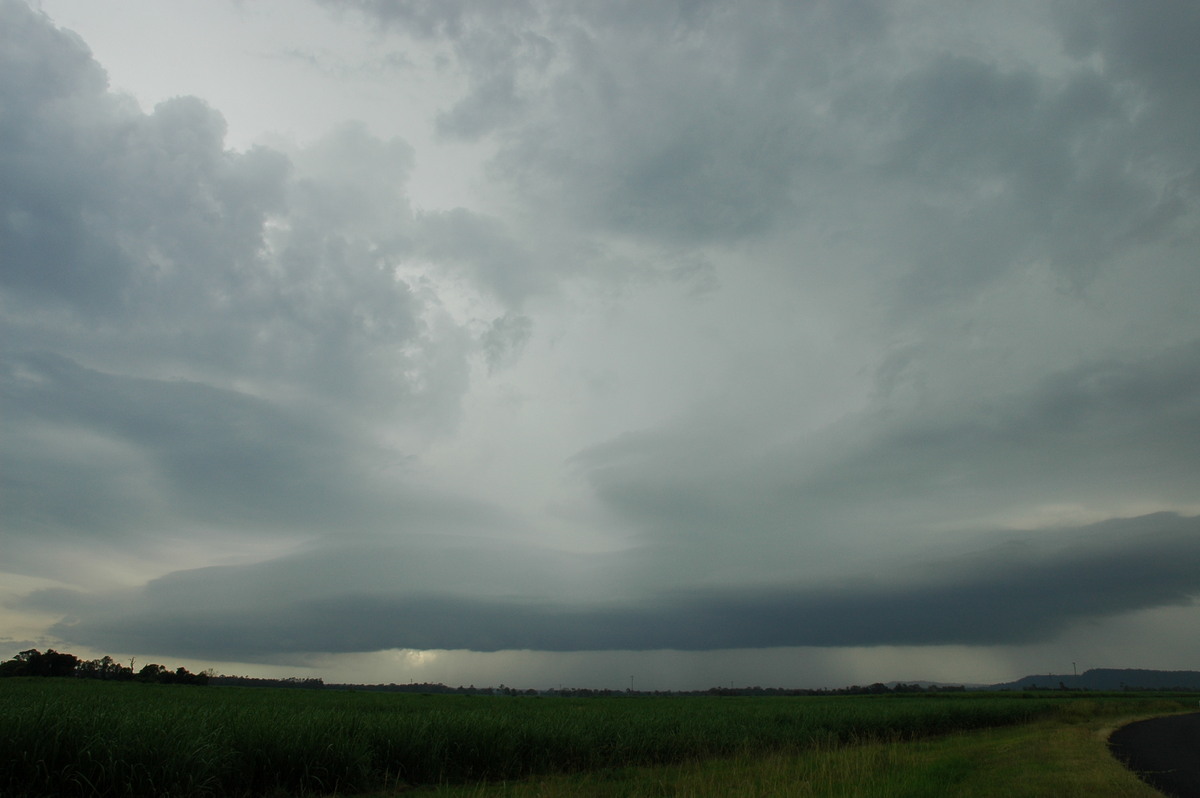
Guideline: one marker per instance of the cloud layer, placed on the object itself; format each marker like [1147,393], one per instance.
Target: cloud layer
[1021,592]
[832,324]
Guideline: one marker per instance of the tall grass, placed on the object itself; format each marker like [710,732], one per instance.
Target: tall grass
[1063,755]
[65,737]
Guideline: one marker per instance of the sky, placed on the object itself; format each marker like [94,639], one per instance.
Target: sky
[601,344]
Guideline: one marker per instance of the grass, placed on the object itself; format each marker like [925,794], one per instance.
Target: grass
[75,737]
[1061,757]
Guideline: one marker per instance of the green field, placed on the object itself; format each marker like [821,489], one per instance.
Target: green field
[79,737]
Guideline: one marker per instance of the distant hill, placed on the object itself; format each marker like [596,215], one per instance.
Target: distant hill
[1109,679]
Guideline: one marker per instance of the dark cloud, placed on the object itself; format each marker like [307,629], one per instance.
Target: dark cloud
[429,18]
[660,143]
[1109,427]
[213,456]
[484,250]
[1020,593]
[493,42]
[668,121]
[196,337]
[104,205]
[691,123]
[1148,45]
[1010,167]
[826,299]
[1109,431]
[172,254]
[505,338]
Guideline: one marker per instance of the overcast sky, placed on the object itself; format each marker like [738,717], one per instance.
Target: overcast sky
[670,344]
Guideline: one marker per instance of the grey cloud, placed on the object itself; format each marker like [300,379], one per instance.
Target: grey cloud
[483,249]
[1008,167]
[101,202]
[939,271]
[1149,44]
[335,67]
[490,104]
[655,141]
[691,123]
[212,455]
[494,42]
[352,183]
[631,117]
[1019,594]
[1090,418]
[175,256]
[428,18]
[505,338]
[196,337]
[107,462]
[1110,430]
[181,256]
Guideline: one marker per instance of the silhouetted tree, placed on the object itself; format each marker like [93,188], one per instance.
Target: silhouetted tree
[53,663]
[105,668]
[152,673]
[34,663]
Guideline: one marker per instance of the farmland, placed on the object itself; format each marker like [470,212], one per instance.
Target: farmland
[77,737]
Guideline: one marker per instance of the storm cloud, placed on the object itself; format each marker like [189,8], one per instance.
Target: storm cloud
[591,328]
[1021,591]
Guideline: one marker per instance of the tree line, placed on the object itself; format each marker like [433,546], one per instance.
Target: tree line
[56,664]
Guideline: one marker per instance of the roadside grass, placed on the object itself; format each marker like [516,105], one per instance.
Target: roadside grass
[1064,757]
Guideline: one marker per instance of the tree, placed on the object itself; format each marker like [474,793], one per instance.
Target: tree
[59,664]
[20,664]
[53,663]
[105,668]
[34,663]
[152,673]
